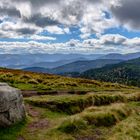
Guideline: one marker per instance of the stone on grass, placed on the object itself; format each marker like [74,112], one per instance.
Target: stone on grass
[12,108]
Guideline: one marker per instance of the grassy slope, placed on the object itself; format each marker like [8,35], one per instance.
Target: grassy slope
[114,122]
[67,120]
[46,82]
[73,117]
[72,104]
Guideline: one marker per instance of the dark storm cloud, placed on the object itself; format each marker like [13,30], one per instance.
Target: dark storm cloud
[70,12]
[95,1]
[40,20]
[10,11]
[38,3]
[25,31]
[42,2]
[128,12]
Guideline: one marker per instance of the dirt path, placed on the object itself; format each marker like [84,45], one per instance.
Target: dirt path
[37,123]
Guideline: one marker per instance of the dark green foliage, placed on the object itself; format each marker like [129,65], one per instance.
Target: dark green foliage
[125,73]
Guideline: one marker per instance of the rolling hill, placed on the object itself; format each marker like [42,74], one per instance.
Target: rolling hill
[125,73]
[62,108]
[78,66]
[82,109]
[81,66]
[38,69]
[48,82]
[51,65]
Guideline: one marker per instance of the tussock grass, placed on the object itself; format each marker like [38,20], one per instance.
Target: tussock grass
[72,104]
[101,116]
[129,129]
[46,82]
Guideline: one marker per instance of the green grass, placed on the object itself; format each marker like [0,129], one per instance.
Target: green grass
[96,116]
[119,121]
[13,132]
[129,129]
[113,122]
[45,82]
[72,104]
[108,112]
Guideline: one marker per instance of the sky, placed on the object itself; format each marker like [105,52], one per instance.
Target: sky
[69,26]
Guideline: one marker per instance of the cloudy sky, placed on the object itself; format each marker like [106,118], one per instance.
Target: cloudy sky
[69,26]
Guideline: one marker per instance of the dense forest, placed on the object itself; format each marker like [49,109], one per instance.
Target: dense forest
[125,73]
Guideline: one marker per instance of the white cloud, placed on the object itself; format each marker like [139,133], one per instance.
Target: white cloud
[57,30]
[29,18]
[115,39]
[104,44]
[38,37]
[9,29]
[88,14]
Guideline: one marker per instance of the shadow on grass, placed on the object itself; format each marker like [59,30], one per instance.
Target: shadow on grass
[12,132]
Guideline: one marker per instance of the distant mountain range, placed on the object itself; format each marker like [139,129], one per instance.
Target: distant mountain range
[124,69]
[81,66]
[127,72]
[121,56]
[27,60]
[55,64]
[78,66]
[49,61]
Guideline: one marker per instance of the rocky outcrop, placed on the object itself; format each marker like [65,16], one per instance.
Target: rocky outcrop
[12,108]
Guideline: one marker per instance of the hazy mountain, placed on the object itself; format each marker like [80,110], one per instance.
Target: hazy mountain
[37,69]
[125,73]
[55,64]
[81,66]
[26,60]
[121,56]
[20,61]
[78,66]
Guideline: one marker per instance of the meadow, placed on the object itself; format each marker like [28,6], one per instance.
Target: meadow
[89,110]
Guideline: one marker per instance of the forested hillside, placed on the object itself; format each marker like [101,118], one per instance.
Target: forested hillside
[125,73]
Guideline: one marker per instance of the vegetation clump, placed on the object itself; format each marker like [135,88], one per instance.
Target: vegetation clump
[43,82]
[102,116]
[72,104]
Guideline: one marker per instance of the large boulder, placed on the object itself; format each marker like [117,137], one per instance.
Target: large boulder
[12,108]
